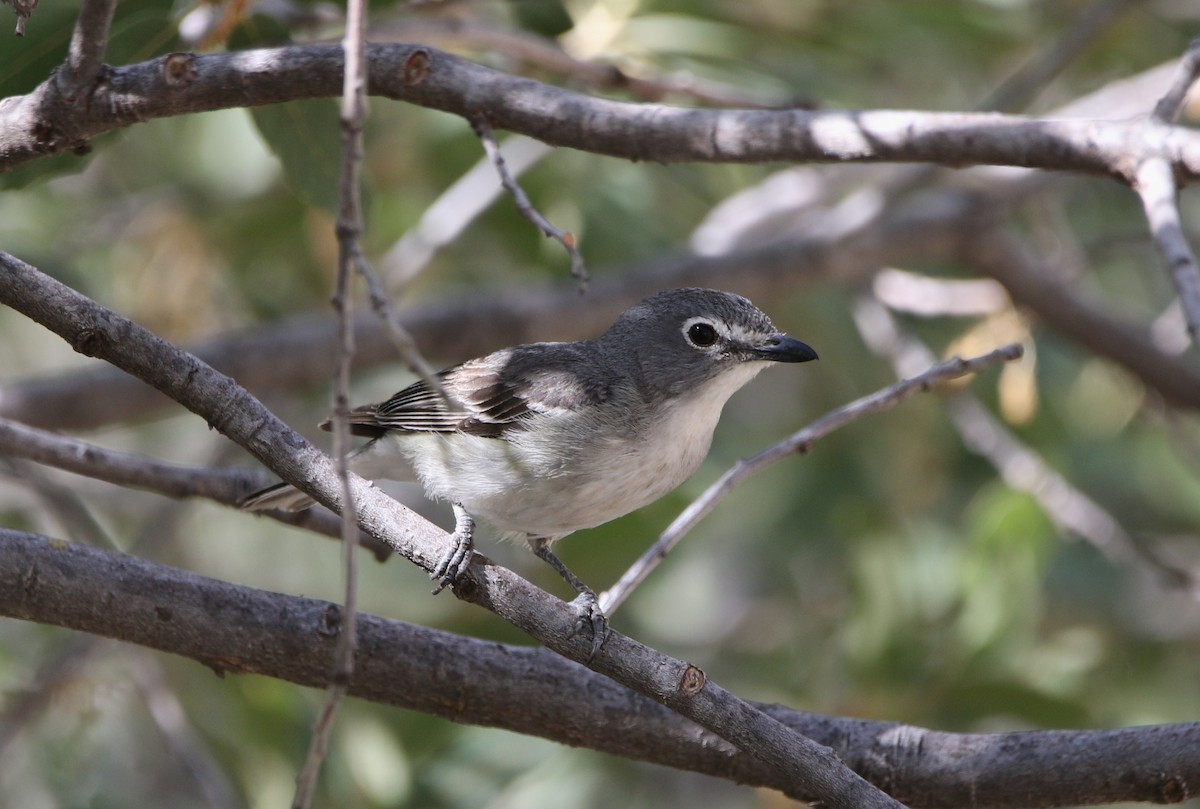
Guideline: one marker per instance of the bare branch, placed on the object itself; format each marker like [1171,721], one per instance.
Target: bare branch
[23,9]
[483,131]
[225,486]
[37,124]
[1170,106]
[235,629]
[349,228]
[1155,184]
[402,339]
[798,443]
[454,209]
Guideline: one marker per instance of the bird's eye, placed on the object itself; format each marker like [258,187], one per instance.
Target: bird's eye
[701,334]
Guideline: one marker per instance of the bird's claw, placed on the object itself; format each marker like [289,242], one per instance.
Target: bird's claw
[589,618]
[451,566]
[456,560]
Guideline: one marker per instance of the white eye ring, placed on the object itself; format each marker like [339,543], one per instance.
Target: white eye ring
[701,333]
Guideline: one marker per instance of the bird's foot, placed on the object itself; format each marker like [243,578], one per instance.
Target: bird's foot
[590,620]
[456,560]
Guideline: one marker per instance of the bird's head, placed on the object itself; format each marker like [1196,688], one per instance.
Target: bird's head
[685,338]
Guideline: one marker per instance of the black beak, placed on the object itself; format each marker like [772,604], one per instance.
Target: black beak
[782,348]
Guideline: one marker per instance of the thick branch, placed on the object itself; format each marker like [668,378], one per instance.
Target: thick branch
[529,690]
[39,123]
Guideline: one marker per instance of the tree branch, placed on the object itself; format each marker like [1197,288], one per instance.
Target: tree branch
[225,486]
[1169,107]
[38,124]
[349,228]
[237,629]
[483,131]
[1155,184]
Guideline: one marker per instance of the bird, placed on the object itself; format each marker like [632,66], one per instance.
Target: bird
[544,439]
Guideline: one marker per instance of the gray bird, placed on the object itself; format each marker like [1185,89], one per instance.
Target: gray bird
[542,440]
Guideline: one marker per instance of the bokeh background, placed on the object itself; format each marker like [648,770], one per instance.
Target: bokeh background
[890,574]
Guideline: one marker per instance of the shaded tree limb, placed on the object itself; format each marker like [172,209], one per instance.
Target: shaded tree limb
[237,629]
[1001,255]
[224,486]
[299,352]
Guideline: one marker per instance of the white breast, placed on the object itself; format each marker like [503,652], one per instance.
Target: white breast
[598,471]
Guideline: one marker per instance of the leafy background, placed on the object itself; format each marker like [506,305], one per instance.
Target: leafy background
[888,575]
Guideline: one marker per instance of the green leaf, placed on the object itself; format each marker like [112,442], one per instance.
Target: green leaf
[306,136]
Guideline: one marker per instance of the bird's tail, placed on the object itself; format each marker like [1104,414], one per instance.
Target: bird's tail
[281,496]
[374,460]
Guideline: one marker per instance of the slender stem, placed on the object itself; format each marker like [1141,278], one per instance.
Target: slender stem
[1155,184]
[797,443]
[483,130]
[349,228]
[1169,107]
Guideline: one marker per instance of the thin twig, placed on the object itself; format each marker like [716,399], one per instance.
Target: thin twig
[798,443]
[23,9]
[483,129]
[349,228]
[1170,106]
[1083,29]
[62,502]
[168,714]
[225,486]
[402,340]
[85,55]
[456,207]
[1155,184]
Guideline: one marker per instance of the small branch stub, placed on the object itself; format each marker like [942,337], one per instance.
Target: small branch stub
[23,10]
[692,681]
[416,67]
[179,69]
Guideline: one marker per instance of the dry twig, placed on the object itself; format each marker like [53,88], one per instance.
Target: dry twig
[798,443]
[349,227]
[484,131]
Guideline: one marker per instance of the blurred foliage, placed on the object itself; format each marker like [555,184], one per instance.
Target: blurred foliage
[889,574]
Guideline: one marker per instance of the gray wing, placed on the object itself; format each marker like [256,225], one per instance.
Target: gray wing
[490,396]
